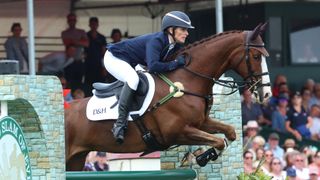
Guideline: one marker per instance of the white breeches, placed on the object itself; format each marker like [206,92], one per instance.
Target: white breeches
[121,70]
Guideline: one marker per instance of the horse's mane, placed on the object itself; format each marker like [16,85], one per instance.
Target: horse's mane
[208,39]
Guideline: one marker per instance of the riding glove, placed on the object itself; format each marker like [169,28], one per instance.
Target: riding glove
[181,60]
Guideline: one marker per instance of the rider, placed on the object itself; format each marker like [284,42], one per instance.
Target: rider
[149,50]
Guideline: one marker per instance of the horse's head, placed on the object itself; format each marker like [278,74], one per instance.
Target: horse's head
[252,66]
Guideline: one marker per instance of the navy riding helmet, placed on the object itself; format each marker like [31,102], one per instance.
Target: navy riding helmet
[176,19]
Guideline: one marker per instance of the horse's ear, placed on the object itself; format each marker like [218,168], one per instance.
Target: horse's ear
[263,27]
[254,34]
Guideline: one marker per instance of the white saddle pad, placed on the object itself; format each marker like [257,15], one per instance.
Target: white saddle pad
[100,108]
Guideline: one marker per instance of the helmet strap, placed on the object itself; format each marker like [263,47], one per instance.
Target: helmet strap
[173,33]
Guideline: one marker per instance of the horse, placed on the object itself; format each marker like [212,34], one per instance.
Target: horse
[179,121]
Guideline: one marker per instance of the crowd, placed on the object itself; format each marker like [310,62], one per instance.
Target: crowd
[294,113]
[81,61]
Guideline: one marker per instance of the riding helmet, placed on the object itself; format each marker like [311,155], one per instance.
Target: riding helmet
[176,19]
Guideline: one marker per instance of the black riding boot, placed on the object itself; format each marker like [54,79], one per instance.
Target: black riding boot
[125,102]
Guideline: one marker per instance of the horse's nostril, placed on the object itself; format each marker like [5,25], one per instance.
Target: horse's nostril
[267,95]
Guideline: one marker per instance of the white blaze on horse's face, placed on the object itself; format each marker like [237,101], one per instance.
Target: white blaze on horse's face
[265,91]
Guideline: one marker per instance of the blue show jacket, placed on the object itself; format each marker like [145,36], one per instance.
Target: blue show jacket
[149,50]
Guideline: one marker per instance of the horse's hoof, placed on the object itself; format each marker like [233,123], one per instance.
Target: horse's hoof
[202,160]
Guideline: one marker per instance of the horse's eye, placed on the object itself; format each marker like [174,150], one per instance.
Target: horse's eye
[257,56]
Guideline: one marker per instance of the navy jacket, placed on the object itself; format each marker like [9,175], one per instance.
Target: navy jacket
[148,50]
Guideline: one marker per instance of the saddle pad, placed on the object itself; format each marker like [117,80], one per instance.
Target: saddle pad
[100,108]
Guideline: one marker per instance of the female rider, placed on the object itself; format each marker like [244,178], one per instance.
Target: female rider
[149,50]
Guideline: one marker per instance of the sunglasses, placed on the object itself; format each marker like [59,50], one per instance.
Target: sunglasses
[299,160]
[269,155]
[250,157]
[276,163]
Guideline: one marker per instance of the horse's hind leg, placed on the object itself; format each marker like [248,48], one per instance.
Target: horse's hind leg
[76,162]
[213,127]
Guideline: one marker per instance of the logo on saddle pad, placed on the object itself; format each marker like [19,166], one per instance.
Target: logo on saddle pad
[103,105]
[14,155]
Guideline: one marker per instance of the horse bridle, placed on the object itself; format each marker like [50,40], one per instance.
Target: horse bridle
[232,84]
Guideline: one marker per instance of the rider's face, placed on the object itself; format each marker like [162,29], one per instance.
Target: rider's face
[181,34]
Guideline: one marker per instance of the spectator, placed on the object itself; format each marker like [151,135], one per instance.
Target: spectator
[90,159]
[251,130]
[291,174]
[94,59]
[116,35]
[316,98]
[257,142]
[55,62]
[268,154]
[273,145]
[280,79]
[316,163]
[290,157]
[77,38]
[78,94]
[289,144]
[66,90]
[17,48]
[309,84]
[259,156]
[101,162]
[248,162]
[315,127]
[313,173]
[251,110]
[279,116]
[306,97]
[299,164]
[298,122]
[276,170]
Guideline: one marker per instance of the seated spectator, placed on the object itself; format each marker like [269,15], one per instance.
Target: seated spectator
[101,162]
[291,174]
[309,84]
[316,98]
[276,170]
[251,110]
[78,94]
[289,157]
[248,162]
[280,79]
[300,165]
[257,142]
[289,144]
[298,122]
[313,173]
[268,155]
[273,145]
[259,157]
[306,97]
[315,127]
[316,163]
[279,116]
[251,130]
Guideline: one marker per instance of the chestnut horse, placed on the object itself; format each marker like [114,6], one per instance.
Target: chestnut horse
[179,121]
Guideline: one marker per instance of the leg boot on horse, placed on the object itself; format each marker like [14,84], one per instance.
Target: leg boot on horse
[125,102]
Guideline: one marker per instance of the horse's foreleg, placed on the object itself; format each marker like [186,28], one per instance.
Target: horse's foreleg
[193,136]
[76,162]
[213,126]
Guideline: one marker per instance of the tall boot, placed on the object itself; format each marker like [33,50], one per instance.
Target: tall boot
[125,103]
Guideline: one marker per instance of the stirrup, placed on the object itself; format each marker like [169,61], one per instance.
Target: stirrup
[118,133]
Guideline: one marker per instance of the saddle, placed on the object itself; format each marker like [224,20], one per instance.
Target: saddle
[104,90]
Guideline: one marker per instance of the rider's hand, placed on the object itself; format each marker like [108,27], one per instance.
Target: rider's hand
[181,60]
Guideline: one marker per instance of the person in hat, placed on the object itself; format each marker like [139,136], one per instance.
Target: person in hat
[251,130]
[150,50]
[291,173]
[298,122]
[273,145]
[289,144]
[101,162]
